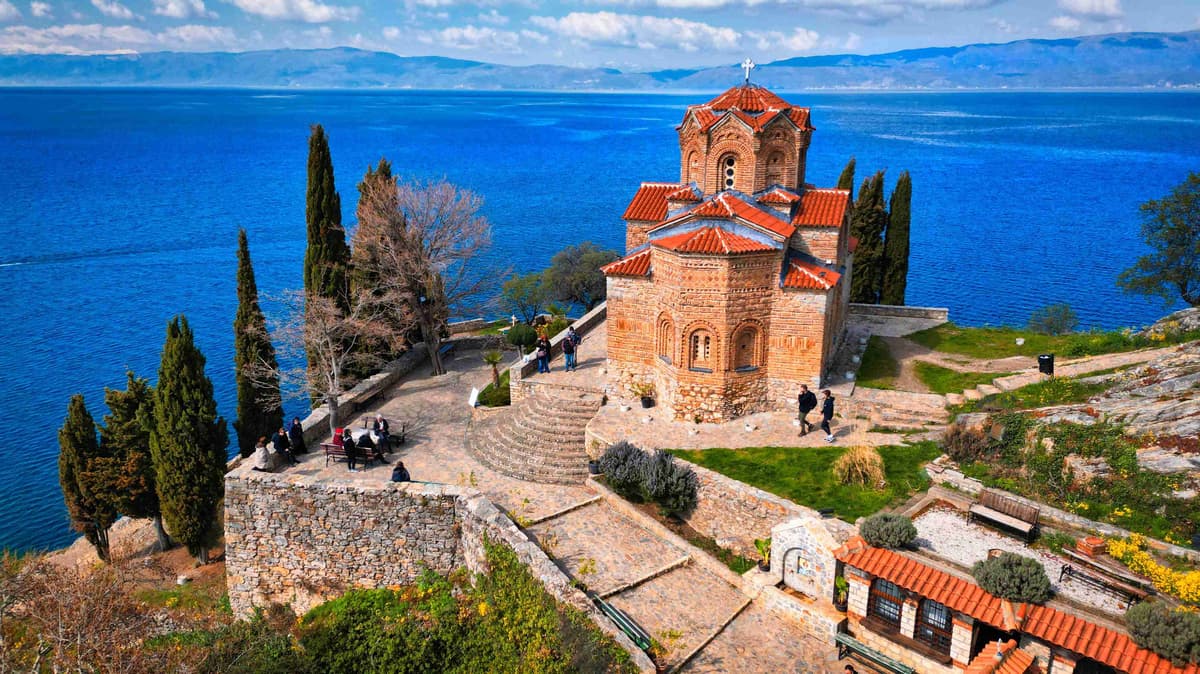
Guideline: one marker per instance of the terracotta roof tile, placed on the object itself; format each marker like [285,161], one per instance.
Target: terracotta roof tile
[1068,631]
[752,104]
[650,202]
[727,205]
[780,196]
[750,98]
[685,193]
[711,240]
[801,273]
[634,264]
[1013,660]
[822,208]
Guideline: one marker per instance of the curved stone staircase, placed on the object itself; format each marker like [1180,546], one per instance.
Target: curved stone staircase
[540,439]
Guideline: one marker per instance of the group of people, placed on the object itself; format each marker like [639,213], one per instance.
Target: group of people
[808,402]
[570,349]
[366,445]
[287,442]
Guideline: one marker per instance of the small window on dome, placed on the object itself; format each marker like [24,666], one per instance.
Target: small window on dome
[729,166]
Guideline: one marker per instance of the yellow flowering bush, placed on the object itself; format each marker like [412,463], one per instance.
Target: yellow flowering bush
[1132,553]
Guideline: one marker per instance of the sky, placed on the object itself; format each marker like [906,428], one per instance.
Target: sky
[632,35]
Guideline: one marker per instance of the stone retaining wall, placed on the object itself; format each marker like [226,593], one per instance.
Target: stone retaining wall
[298,540]
[459,327]
[734,514]
[956,480]
[937,313]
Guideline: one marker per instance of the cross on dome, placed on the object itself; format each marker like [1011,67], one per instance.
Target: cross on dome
[748,65]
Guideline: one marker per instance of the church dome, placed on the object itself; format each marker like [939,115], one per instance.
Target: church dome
[753,104]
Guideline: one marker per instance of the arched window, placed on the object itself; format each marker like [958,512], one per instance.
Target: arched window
[886,602]
[693,167]
[700,351]
[727,169]
[745,349]
[666,339]
[934,626]
[774,169]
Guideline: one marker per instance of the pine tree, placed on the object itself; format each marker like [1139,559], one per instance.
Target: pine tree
[91,512]
[327,258]
[846,180]
[259,411]
[188,443]
[868,224]
[895,250]
[125,442]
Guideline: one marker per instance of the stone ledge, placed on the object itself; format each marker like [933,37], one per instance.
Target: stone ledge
[935,313]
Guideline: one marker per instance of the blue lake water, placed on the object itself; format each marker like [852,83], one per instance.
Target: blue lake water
[119,209]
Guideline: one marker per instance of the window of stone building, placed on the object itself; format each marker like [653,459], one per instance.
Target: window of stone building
[774,170]
[886,601]
[728,170]
[666,339]
[934,626]
[745,349]
[700,351]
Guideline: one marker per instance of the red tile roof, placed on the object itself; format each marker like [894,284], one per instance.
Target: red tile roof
[822,208]
[1068,631]
[779,196]
[752,104]
[711,240]
[728,206]
[801,273]
[634,264]
[650,202]
[685,193]
[1013,660]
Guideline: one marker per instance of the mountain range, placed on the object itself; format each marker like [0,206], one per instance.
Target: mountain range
[1121,60]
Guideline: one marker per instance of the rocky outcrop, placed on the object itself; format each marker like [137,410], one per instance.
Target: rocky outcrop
[1185,320]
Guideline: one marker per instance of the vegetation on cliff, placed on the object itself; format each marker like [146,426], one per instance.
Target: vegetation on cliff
[259,406]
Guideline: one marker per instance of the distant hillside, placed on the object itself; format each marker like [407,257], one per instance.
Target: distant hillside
[1159,60]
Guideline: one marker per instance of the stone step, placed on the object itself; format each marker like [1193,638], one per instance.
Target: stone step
[523,471]
[1016,381]
[498,447]
[987,389]
[955,399]
[541,441]
[972,394]
[535,418]
[570,410]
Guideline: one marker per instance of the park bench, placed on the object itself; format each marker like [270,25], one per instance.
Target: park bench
[1128,593]
[1006,512]
[394,439]
[849,646]
[447,350]
[338,453]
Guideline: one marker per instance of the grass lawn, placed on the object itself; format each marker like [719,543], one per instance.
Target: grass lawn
[879,368]
[1001,342]
[804,475]
[944,380]
[491,397]
[1054,391]
[495,327]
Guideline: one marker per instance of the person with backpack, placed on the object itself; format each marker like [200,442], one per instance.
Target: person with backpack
[568,347]
[575,339]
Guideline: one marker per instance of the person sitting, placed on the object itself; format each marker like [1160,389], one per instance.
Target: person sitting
[261,459]
[381,431]
[400,473]
[282,445]
[369,448]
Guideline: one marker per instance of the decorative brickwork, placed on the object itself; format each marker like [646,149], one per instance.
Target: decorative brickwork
[705,308]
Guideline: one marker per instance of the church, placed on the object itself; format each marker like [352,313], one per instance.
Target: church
[735,283]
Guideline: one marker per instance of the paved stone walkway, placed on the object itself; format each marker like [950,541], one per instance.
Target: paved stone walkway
[762,641]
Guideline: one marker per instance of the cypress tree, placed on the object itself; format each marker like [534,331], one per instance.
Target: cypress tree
[868,224]
[895,250]
[255,369]
[91,512]
[125,440]
[187,443]
[327,258]
[846,180]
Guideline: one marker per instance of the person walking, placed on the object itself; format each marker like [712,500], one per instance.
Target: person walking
[568,347]
[283,445]
[827,413]
[296,436]
[543,354]
[351,450]
[807,401]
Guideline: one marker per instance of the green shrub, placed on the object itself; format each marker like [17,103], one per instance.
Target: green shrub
[557,325]
[257,646]
[963,443]
[670,484]
[888,530]
[624,468]
[1056,319]
[1172,633]
[1013,577]
[521,336]
[861,466]
[491,396]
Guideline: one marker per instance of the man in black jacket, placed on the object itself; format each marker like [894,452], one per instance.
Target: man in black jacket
[808,403]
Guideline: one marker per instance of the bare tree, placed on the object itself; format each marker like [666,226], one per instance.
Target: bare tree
[418,241]
[334,341]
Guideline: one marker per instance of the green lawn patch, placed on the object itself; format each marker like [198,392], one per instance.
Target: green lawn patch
[944,380]
[495,327]
[879,369]
[804,475]
[1053,391]
[491,396]
[1000,342]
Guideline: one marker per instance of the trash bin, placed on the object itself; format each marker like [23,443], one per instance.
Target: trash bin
[1046,363]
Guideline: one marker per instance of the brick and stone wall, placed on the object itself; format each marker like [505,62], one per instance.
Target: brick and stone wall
[519,384]
[938,313]
[298,540]
[776,154]
[802,553]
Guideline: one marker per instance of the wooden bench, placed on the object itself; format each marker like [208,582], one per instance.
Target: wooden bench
[848,645]
[338,453]
[447,350]
[394,439]
[1006,512]
[1128,593]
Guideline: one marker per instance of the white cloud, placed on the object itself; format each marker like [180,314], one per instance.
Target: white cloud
[41,10]
[473,37]
[193,34]
[862,11]
[308,11]
[182,9]
[534,36]
[853,41]
[643,32]
[114,9]
[799,40]
[99,39]
[9,11]
[493,17]
[391,32]
[1065,24]
[1002,26]
[1096,10]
